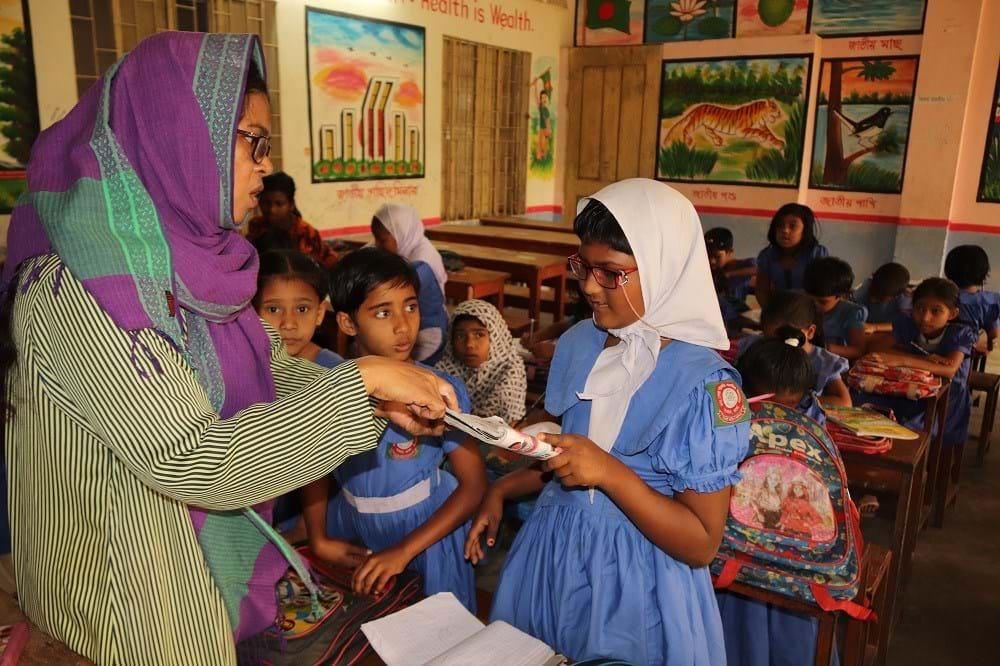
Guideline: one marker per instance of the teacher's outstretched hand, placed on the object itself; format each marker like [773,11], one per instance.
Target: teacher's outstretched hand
[409,396]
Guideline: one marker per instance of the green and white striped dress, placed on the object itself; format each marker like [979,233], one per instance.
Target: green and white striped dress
[102,464]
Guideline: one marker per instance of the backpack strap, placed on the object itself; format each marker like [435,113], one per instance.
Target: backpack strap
[828,603]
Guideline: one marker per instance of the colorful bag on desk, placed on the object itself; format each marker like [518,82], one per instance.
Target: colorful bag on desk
[849,441]
[902,382]
[332,633]
[792,527]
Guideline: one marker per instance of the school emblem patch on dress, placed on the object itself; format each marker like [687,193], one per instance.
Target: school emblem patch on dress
[728,402]
[404,450]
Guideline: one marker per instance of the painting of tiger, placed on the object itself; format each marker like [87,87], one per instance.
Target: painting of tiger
[751,120]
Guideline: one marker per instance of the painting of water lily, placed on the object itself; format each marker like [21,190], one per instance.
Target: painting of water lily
[683,20]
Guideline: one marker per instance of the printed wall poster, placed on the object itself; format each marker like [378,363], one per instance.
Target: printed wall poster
[989,181]
[739,120]
[18,101]
[863,124]
[366,97]
[841,18]
[763,18]
[609,22]
[542,128]
[682,20]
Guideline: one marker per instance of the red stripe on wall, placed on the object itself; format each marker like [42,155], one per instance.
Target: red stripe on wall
[543,209]
[978,228]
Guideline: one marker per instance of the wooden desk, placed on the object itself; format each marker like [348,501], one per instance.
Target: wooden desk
[470,283]
[904,464]
[354,241]
[509,238]
[516,222]
[41,648]
[529,267]
[943,464]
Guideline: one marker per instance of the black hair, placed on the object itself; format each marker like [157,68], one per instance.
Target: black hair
[828,276]
[292,265]
[719,239]
[466,317]
[280,181]
[889,281]
[810,230]
[795,309]
[255,81]
[967,266]
[596,224]
[354,277]
[772,365]
[941,289]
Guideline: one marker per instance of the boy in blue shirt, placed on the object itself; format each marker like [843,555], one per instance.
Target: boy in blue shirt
[829,281]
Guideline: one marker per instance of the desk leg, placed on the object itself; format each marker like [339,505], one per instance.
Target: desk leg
[499,296]
[825,638]
[903,541]
[560,298]
[535,302]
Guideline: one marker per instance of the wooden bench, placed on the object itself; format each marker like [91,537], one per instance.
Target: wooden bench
[517,222]
[508,238]
[470,283]
[531,268]
[863,642]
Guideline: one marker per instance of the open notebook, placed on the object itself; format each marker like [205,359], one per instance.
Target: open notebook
[439,631]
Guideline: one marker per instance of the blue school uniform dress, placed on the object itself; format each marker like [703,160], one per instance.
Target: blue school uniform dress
[882,313]
[433,315]
[846,316]
[769,264]
[761,634]
[389,492]
[827,366]
[956,337]
[981,309]
[738,288]
[580,575]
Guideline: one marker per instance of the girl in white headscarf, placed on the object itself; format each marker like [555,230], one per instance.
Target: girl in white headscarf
[613,560]
[482,353]
[399,229]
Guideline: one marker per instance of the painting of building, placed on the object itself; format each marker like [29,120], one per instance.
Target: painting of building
[735,120]
[863,123]
[18,101]
[366,100]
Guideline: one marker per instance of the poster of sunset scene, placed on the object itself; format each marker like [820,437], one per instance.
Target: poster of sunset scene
[863,124]
[366,97]
[760,18]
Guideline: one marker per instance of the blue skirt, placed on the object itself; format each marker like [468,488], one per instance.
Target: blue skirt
[760,634]
[583,579]
[442,566]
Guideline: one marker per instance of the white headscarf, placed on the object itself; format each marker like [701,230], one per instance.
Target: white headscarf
[679,296]
[404,223]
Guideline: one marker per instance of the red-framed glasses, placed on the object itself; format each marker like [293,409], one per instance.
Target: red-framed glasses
[608,279]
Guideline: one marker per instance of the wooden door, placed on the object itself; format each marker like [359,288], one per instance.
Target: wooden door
[613,109]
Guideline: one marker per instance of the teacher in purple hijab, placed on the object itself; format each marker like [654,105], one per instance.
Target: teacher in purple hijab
[150,417]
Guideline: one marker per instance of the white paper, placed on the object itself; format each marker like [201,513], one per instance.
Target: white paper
[499,644]
[536,429]
[418,634]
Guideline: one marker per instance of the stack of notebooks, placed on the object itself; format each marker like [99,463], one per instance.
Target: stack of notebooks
[867,423]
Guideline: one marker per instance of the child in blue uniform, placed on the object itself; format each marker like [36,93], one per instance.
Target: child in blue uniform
[733,277]
[613,560]
[792,243]
[930,339]
[798,310]
[395,500]
[757,633]
[885,295]
[291,295]
[399,229]
[829,281]
[968,266]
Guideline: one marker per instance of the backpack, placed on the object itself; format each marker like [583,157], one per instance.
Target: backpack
[330,634]
[900,381]
[792,527]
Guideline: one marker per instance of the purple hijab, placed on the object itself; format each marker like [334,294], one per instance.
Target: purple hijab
[133,191]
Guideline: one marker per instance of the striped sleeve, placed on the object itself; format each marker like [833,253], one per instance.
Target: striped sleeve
[162,426]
